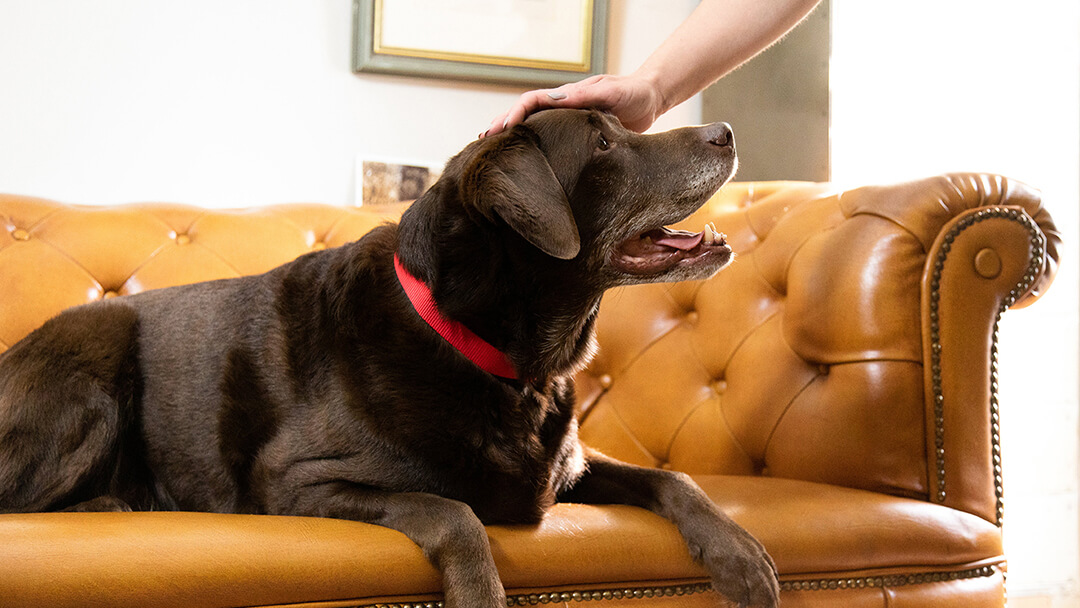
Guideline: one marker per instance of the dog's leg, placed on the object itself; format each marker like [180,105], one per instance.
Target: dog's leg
[737,563]
[448,532]
[51,453]
[66,393]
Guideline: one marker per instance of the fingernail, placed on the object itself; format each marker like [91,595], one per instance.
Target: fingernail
[557,95]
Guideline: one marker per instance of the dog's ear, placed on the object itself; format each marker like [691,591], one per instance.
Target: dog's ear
[511,177]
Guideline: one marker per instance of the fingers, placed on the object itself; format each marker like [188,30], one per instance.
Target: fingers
[634,100]
[581,94]
[532,101]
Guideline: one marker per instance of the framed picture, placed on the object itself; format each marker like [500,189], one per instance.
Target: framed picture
[528,42]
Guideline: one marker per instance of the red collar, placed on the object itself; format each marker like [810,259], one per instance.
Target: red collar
[475,349]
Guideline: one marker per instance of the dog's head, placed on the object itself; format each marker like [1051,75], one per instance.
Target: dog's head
[525,230]
[573,196]
[579,187]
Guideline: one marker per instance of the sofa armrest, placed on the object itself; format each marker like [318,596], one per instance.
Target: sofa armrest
[813,356]
[990,246]
[999,251]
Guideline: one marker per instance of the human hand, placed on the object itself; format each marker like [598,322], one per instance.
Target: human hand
[634,100]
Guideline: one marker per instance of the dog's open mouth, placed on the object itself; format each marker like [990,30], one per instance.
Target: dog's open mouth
[661,249]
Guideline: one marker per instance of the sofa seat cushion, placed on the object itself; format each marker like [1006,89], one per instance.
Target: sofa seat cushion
[190,559]
[810,527]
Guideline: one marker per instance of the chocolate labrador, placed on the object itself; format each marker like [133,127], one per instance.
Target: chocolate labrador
[419,378]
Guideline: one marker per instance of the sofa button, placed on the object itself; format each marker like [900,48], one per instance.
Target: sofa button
[20,235]
[182,239]
[606,381]
[988,264]
[319,246]
[108,295]
[719,386]
[692,317]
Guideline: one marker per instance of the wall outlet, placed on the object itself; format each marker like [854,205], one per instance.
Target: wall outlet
[382,183]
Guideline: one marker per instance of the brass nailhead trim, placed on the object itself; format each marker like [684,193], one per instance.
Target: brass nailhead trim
[895,580]
[608,594]
[562,597]
[1037,260]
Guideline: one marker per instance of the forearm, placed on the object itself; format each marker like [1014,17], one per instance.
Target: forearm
[719,36]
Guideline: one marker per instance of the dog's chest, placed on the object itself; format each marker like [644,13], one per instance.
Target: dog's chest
[518,463]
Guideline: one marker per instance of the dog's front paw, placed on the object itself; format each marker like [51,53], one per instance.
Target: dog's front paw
[739,567]
[473,585]
[456,599]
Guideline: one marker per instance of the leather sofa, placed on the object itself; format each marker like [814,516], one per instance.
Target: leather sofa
[834,390]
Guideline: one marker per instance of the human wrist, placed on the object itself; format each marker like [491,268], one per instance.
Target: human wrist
[657,87]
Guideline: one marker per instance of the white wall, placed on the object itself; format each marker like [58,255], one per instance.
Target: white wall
[233,102]
[924,87]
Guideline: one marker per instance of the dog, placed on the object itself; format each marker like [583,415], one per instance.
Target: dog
[419,378]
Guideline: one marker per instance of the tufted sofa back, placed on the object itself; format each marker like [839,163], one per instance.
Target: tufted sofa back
[826,352]
[54,256]
[830,349]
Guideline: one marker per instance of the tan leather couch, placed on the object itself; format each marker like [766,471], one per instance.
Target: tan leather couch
[833,390]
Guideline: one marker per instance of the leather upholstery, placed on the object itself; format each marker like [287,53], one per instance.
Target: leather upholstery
[177,558]
[833,390]
[806,358]
[53,256]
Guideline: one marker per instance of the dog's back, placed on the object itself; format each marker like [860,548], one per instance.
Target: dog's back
[103,394]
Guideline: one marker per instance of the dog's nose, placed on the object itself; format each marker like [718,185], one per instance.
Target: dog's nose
[719,134]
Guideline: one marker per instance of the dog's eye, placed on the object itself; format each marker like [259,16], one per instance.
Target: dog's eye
[602,142]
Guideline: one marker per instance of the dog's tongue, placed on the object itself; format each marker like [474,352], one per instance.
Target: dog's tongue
[677,239]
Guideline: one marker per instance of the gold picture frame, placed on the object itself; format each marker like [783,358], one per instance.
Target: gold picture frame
[527,42]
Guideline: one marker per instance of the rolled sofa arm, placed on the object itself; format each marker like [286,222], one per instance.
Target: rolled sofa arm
[850,343]
[999,251]
[990,247]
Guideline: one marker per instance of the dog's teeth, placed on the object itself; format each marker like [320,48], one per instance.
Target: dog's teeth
[708,235]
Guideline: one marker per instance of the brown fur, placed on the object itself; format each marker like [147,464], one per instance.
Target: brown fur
[315,389]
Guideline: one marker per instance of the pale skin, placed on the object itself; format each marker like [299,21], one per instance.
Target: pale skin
[717,37]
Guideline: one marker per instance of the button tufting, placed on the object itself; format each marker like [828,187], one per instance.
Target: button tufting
[20,235]
[606,381]
[692,317]
[109,295]
[719,386]
[988,263]
[319,246]
[182,239]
